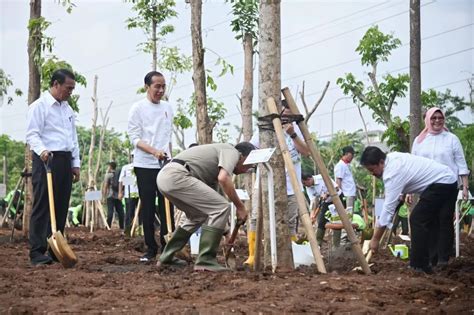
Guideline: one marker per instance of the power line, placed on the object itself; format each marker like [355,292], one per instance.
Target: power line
[240,52]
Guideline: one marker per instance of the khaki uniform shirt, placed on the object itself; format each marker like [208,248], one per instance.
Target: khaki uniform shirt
[206,160]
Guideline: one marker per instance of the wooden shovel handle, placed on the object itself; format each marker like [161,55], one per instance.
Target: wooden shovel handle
[52,210]
[235,231]
[168,216]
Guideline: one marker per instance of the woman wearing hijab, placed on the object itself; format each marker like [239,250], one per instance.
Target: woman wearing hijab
[437,143]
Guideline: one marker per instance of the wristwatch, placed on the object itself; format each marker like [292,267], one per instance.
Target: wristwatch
[293,135]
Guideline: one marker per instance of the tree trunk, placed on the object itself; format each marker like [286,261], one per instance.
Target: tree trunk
[90,174]
[415,71]
[247,91]
[34,83]
[204,129]
[246,103]
[269,86]
[154,48]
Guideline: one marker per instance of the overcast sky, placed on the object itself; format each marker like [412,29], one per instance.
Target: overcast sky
[318,45]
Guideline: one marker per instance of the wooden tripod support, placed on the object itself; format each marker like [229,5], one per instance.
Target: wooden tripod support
[327,181]
[303,213]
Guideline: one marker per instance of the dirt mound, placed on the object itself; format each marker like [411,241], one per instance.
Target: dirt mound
[109,278]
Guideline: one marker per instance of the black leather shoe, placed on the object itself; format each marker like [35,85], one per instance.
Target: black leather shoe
[52,256]
[41,260]
[427,270]
[148,257]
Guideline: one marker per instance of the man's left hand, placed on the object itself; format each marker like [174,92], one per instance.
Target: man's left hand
[374,245]
[76,174]
[465,193]
[289,129]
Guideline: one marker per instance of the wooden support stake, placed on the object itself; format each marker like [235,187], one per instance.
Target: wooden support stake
[259,228]
[303,212]
[327,181]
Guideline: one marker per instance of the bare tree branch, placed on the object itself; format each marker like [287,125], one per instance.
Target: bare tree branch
[311,112]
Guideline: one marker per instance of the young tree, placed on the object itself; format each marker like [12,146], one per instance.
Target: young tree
[374,47]
[415,71]
[151,18]
[5,83]
[199,75]
[269,86]
[245,25]
[36,25]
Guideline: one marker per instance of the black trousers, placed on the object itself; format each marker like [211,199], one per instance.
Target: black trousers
[130,207]
[40,223]
[403,221]
[148,191]
[116,204]
[432,224]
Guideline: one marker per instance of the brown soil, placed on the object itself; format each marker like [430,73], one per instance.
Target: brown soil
[109,278]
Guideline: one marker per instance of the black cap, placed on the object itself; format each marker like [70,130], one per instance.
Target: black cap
[348,149]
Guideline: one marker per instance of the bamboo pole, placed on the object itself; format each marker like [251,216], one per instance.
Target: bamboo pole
[303,213]
[327,181]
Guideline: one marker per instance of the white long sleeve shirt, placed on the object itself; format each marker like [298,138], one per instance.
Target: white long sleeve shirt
[406,173]
[153,124]
[127,171]
[319,188]
[51,126]
[444,148]
[295,157]
[343,171]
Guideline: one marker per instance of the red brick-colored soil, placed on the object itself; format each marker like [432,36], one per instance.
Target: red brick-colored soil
[109,279]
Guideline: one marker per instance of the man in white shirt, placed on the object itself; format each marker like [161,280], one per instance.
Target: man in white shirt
[129,191]
[315,188]
[345,180]
[404,173]
[150,125]
[51,134]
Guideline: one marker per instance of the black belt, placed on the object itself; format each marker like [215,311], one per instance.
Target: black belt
[184,163]
[62,153]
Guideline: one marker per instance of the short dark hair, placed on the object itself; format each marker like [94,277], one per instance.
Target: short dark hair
[372,156]
[113,164]
[348,149]
[306,176]
[149,76]
[244,148]
[60,76]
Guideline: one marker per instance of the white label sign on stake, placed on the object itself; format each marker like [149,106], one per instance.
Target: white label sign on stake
[128,180]
[3,190]
[242,194]
[259,156]
[93,195]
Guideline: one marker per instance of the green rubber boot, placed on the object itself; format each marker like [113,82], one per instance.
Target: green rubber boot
[210,239]
[320,235]
[176,243]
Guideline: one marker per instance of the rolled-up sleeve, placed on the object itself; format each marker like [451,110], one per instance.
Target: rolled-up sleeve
[134,126]
[34,127]
[459,158]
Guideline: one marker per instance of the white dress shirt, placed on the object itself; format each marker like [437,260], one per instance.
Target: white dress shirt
[51,126]
[343,171]
[444,148]
[319,188]
[406,173]
[127,170]
[153,124]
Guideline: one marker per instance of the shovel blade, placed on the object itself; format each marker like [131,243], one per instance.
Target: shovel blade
[62,250]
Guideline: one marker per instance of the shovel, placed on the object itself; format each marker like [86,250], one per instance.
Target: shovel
[57,242]
[229,253]
[168,220]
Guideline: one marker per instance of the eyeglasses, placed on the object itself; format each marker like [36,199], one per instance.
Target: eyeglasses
[437,118]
